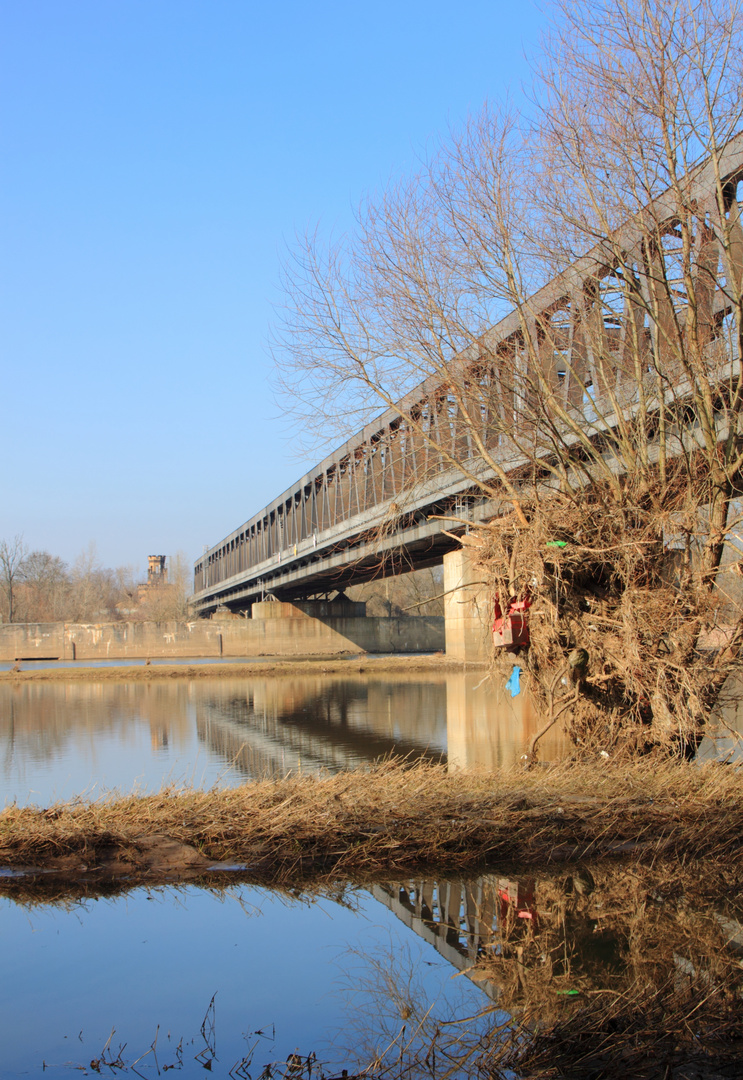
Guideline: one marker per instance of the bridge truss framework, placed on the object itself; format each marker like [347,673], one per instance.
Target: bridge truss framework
[378,505]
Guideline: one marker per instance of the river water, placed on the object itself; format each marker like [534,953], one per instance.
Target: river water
[235,979]
[62,739]
[299,972]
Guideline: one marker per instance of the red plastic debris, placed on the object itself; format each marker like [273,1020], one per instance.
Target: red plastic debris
[511,628]
[519,897]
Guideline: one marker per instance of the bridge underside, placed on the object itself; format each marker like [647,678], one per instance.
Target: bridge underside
[361,549]
[336,559]
[596,351]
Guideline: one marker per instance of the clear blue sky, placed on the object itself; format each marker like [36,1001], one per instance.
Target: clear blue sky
[156,155]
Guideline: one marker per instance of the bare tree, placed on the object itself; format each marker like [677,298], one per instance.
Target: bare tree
[44,593]
[418,592]
[554,308]
[12,554]
[95,590]
[41,587]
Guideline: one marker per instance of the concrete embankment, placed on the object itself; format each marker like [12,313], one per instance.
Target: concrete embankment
[295,636]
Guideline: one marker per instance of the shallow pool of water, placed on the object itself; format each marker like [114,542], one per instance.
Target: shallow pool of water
[213,980]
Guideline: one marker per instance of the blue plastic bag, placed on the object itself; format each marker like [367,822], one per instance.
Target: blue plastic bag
[513,683]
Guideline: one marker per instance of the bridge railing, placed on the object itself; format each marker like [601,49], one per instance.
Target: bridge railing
[582,352]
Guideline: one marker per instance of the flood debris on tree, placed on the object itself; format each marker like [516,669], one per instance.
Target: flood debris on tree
[629,640]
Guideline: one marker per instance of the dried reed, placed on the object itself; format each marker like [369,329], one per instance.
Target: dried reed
[387,819]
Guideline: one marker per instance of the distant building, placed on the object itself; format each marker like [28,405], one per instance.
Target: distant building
[157,573]
[157,580]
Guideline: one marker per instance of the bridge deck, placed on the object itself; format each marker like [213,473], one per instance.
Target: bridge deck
[374,506]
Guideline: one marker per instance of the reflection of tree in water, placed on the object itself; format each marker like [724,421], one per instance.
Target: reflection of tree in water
[272,726]
[38,721]
[591,972]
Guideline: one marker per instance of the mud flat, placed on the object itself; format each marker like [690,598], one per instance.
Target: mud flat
[323,666]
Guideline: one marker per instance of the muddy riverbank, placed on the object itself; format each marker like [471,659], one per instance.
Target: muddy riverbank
[194,670]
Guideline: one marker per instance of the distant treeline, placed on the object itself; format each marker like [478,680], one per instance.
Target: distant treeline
[37,586]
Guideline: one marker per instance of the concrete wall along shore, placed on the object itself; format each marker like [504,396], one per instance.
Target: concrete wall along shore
[275,633]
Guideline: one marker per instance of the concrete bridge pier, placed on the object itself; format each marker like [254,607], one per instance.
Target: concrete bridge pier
[468,609]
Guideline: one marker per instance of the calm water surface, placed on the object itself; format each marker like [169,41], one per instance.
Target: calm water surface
[330,976]
[285,974]
[59,740]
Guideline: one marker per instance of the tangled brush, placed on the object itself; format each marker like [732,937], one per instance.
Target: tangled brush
[626,636]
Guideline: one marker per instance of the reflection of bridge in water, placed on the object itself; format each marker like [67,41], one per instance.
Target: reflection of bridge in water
[458,918]
[269,726]
[470,922]
[525,939]
[275,725]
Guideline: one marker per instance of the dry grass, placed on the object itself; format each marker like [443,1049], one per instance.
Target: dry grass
[389,819]
[675,1031]
[672,1030]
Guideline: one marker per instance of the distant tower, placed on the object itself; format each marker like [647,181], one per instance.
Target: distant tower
[157,573]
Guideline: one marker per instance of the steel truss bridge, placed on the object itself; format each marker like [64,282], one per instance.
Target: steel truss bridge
[375,506]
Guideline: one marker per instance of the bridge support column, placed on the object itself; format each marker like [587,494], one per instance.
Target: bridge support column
[468,609]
